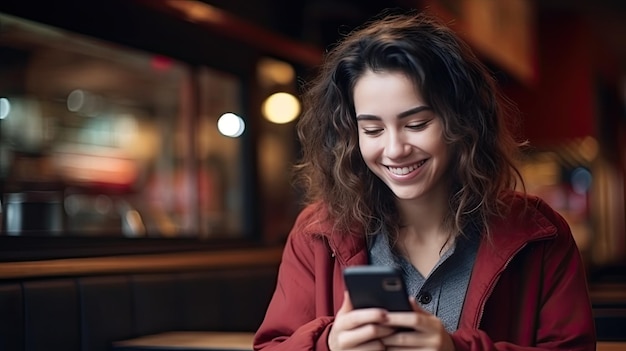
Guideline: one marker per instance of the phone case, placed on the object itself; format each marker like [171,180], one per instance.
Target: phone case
[376,286]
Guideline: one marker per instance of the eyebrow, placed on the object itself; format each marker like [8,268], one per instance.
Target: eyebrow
[407,113]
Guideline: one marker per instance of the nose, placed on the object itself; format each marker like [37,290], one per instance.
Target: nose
[396,147]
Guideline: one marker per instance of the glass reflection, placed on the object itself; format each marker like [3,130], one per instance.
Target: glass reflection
[98,139]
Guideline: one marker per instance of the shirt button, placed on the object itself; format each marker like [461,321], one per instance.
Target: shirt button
[424,298]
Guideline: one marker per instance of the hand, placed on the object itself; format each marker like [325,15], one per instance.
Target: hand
[427,331]
[360,329]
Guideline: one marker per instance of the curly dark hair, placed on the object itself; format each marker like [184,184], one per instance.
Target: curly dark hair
[454,83]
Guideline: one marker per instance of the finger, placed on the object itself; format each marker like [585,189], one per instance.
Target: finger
[416,307]
[365,335]
[418,340]
[350,318]
[418,321]
[374,345]
[410,320]
[406,339]
[360,317]
[346,305]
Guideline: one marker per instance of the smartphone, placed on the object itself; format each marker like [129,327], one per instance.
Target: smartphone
[376,286]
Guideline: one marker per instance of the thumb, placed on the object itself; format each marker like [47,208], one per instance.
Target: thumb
[416,307]
[346,305]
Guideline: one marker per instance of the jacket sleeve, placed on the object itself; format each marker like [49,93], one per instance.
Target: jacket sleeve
[564,318]
[291,321]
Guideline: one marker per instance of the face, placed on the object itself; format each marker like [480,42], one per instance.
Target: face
[400,137]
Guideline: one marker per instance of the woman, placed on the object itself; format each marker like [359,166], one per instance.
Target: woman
[407,162]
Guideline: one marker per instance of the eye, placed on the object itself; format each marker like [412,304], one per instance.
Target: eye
[418,126]
[372,131]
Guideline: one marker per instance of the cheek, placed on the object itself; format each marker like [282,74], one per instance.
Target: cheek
[446,155]
[436,143]
[366,149]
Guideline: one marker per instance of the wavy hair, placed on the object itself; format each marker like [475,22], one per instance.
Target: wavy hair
[455,84]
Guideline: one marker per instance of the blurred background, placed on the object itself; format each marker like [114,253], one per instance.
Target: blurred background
[146,149]
[153,119]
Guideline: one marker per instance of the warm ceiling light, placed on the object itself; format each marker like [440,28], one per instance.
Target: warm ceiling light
[281,108]
[273,71]
[197,11]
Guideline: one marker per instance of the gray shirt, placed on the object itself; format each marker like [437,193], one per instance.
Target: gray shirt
[442,292]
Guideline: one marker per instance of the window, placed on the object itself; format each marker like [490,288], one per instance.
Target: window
[104,140]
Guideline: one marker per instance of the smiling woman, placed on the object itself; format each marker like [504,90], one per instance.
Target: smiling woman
[407,163]
[400,137]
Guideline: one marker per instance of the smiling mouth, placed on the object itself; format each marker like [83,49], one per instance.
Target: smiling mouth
[406,170]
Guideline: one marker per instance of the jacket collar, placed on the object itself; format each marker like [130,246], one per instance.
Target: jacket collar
[349,249]
[509,235]
[525,223]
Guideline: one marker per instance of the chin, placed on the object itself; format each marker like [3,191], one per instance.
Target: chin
[405,195]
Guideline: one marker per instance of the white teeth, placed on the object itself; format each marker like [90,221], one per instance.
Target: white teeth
[405,170]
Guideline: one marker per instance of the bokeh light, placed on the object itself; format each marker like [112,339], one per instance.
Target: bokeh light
[231,125]
[5,108]
[281,108]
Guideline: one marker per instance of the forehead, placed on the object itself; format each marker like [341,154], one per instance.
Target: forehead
[385,92]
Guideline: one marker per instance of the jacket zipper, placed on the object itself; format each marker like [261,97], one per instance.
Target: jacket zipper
[493,284]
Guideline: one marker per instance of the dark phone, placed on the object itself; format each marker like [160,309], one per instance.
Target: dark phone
[376,286]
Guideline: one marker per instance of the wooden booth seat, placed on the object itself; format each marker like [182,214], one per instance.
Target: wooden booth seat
[90,313]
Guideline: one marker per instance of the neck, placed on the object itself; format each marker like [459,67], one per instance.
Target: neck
[423,220]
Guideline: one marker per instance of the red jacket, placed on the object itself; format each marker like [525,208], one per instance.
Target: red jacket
[527,291]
